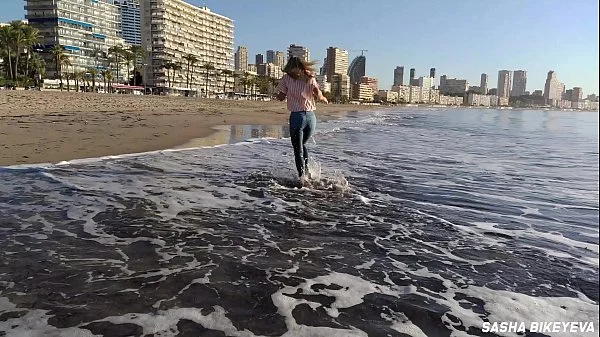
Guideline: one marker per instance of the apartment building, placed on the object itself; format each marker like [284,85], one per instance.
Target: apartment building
[362,92]
[241,58]
[173,29]
[299,51]
[85,29]
[504,83]
[399,75]
[270,70]
[388,96]
[324,85]
[553,89]
[483,84]
[340,87]
[130,21]
[370,81]
[337,62]
[519,84]
[453,86]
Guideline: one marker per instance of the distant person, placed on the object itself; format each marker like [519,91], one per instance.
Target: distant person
[300,87]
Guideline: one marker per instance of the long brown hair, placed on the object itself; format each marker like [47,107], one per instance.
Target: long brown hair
[298,68]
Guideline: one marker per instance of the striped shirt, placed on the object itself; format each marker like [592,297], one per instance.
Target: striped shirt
[299,93]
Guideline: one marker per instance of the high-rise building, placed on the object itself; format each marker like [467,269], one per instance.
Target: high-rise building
[411,78]
[370,82]
[85,29]
[241,59]
[432,72]
[279,59]
[270,56]
[259,59]
[129,25]
[442,81]
[519,83]
[553,89]
[453,86]
[270,70]
[483,85]
[323,70]
[357,69]
[173,29]
[340,87]
[337,62]
[577,95]
[504,79]
[399,75]
[299,51]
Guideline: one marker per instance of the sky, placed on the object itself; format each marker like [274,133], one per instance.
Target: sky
[461,39]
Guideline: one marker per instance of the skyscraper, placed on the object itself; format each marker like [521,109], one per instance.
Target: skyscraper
[432,72]
[323,70]
[241,59]
[411,78]
[259,59]
[270,56]
[299,51]
[178,35]
[337,62]
[399,75]
[504,83]
[357,69]
[129,25]
[483,85]
[519,83]
[280,59]
[84,30]
[553,89]
[577,95]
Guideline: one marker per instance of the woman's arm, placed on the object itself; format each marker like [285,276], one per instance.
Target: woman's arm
[282,88]
[319,95]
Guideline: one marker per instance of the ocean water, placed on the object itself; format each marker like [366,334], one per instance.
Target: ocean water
[418,222]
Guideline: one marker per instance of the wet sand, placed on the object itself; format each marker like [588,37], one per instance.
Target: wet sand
[51,126]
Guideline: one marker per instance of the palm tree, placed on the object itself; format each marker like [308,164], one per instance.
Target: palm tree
[246,80]
[58,53]
[6,40]
[236,76]
[129,58]
[225,73]
[37,64]
[66,62]
[139,55]
[77,75]
[191,60]
[93,72]
[176,67]
[168,66]
[31,36]
[116,52]
[19,43]
[207,68]
[106,77]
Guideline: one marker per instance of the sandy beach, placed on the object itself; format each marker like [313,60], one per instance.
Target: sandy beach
[50,126]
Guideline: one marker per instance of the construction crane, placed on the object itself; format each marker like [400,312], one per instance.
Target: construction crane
[360,50]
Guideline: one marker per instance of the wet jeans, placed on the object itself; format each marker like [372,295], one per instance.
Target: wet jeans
[302,127]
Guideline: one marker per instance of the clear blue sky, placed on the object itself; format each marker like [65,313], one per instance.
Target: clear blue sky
[459,38]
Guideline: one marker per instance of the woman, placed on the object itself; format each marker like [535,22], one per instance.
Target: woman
[299,86]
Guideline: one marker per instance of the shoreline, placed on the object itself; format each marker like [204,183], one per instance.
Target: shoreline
[43,127]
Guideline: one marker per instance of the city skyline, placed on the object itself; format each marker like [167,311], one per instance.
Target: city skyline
[441,40]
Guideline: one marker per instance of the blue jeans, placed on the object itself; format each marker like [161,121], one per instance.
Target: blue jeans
[302,127]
